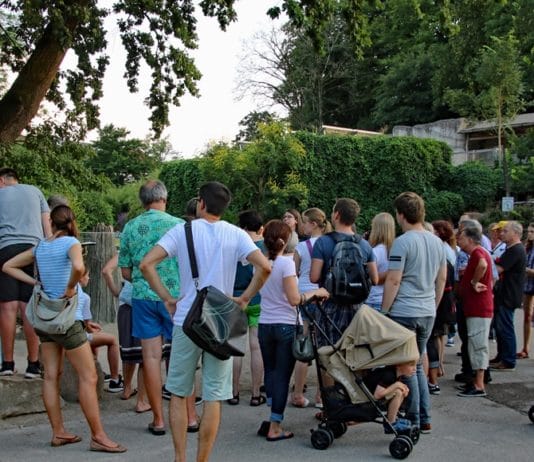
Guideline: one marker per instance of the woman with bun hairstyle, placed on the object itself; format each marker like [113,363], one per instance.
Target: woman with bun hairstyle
[60,265]
[276,331]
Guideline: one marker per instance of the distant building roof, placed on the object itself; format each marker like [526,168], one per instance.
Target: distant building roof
[523,120]
[330,129]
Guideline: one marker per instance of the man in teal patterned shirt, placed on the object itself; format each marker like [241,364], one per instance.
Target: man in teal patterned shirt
[151,322]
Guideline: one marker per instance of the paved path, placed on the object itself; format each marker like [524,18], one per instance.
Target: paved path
[475,429]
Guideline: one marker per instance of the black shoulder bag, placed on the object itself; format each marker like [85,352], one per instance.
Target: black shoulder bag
[214,322]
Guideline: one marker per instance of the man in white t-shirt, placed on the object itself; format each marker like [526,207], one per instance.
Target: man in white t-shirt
[218,247]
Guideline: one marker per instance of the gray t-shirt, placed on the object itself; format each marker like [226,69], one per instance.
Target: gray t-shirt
[21,206]
[419,255]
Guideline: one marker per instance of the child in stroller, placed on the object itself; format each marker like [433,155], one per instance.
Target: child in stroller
[384,384]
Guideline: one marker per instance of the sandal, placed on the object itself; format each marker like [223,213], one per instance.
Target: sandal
[63,440]
[233,401]
[522,355]
[257,400]
[96,446]
[302,404]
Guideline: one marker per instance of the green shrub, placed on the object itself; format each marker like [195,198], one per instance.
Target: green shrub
[443,205]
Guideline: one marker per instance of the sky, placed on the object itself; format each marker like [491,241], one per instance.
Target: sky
[198,121]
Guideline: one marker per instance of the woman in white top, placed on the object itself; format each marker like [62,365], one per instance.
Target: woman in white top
[277,325]
[381,239]
[314,224]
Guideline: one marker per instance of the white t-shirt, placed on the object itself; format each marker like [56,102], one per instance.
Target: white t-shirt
[275,308]
[218,247]
[305,265]
[382,263]
[83,310]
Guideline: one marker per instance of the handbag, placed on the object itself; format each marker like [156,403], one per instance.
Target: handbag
[302,344]
[214,322]
[50,315]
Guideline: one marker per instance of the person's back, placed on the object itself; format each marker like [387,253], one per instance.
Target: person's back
[21,206]
[419,254]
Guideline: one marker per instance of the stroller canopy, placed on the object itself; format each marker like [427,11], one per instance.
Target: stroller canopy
[371,340]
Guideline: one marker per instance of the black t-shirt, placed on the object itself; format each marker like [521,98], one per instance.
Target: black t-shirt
[383,376]
[509,288]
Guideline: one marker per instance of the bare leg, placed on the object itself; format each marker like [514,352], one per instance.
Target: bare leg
[32,340]
[209,426]
[152,377]
[8,324]
[528,307]
[83,362]
[394,406]
[479,379]
[192,418]
[128,371]
[178,423]
[256,361]
[142,399]
[301,371]
[110,341]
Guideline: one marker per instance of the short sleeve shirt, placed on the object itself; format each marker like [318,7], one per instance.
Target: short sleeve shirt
[509,290]
[477,304]
[324,248]
[138,237]
[419,255]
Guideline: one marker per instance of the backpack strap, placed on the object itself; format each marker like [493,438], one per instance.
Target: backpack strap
[191,252]
[310,248]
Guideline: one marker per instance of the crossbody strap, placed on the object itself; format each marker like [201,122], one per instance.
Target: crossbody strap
[35,267]
[191,251]
[310,248]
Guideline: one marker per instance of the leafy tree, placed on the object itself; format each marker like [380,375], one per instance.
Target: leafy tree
[156,33]
[125,160]
[250,124]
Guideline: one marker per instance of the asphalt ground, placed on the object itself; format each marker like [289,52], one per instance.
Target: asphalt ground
[474,429]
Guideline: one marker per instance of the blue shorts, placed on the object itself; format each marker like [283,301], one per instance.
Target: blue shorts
[150,319]
[216,374]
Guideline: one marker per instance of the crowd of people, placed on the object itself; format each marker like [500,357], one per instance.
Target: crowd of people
[432,279]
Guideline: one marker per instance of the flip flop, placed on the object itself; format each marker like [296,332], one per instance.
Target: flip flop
[58,441]
[158,431]
[99,447]
[133,393]
[193,428]
[281,436]
[233,401]
[264,428]
[142,411]
[522,355]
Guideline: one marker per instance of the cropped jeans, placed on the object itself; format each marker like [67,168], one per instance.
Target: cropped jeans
[276,342]
[418,401]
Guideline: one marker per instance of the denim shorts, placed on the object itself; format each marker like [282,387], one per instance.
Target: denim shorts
[216,374]
[150,319]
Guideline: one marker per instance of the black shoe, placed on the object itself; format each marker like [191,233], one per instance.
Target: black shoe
[165,394]
[8,368]
[107,378]
[116,385]
[465,387]
[33,370]
[487,376]
[198,400]
[463,377]
[472,393]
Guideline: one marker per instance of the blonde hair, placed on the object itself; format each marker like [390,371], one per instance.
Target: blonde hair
[382,230]
[318,217]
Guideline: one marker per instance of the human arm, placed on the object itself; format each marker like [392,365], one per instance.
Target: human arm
[316,270]
[77,270]
[107,273]
[373,272]
[296,258]
[148,268]
[478,274]
[382,392]
[92,326]
[13,267]
[293,295]
[441,280]
[262,269]
[391,288]
[126,274]
[45,222]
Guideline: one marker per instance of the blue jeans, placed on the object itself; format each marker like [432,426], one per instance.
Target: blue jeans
[276,342]
[506,342]
[418,401]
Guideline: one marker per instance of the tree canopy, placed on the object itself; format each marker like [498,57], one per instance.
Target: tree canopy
[157,33]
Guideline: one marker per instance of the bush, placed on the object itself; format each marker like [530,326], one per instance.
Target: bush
[443,205]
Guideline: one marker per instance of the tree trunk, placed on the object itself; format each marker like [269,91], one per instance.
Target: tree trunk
[21,102]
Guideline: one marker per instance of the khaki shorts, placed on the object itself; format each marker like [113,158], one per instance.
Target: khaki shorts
[73,338]
[478,343]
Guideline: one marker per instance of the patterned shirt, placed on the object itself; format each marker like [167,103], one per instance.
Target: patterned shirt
[139,236]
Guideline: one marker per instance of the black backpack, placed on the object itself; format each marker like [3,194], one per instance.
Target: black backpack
[347,279]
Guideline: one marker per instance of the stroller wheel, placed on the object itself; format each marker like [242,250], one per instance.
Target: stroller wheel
[400,447]
[337,428]
[531,414]
[321,438]
[414,434]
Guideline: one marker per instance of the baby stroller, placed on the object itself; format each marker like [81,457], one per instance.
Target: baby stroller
[531,414]
[371,340]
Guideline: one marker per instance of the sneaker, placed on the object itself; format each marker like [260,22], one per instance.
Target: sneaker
[8,368]
[33,370]
[426,428]
[434,389]
[116,385]
[502,367]
[494,361]
[465,387]
[198,400]
[107,378]
[165,394]
[450,342]
[399,426]
[463,377]
[472,393]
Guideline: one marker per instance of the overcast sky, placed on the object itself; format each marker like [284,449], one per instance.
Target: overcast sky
[198,121]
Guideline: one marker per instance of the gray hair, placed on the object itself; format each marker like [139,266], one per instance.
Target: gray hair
[152,191]
[472,230]
[516,227]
